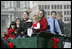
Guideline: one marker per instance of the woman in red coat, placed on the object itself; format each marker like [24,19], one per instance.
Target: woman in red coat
[43,21]
[11,31]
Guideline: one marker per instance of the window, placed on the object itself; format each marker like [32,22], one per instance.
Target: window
[67,12]
[57,6]
[64,6]
[45,6]
[48,12]
[70,6]
[42,6]
[52,7]
[64,12]
[67,6]
[25,4]
[2,4]
[48,6]
[67,18]
[39,6]
[28,4]
[18,4]
[64,18]
[60,6]
[12,4]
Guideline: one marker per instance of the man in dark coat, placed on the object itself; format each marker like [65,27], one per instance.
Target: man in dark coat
[24,24]
[61,23]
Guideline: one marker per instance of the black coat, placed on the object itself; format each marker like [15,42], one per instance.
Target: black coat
[24,25]
[61,24]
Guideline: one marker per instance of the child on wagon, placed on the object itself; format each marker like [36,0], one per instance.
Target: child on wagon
[11,31]
[18,20]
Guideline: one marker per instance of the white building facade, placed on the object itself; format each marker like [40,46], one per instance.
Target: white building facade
[63,7]
[10,10]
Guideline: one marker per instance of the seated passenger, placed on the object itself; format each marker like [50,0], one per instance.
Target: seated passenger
[24,25]
[54,25]
[42,20]
[36,24]
[11,31]
[61,23]
[18,20]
